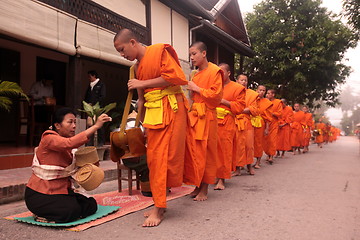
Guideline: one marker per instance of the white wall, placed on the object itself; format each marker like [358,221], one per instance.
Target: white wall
[132,9]
[180,37]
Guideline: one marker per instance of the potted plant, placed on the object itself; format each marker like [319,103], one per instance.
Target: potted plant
[7,90]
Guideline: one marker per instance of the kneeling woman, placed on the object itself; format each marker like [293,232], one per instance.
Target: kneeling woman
[48,194]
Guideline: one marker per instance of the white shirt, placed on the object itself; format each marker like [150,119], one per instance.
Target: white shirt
[92,84]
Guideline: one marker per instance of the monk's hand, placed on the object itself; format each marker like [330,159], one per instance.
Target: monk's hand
[193,87]
[135,83]
[103,118]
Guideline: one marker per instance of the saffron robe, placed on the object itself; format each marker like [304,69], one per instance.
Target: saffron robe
[271,138]
[201,141]
[245,145]
[321,127]
[309,125]
[235,94]
[287,116]
[165,141]
[297,129]
[265,114]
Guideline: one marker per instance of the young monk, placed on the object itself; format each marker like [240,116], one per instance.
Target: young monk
[251,111]
[283,140]
[320,127]
[297,129]
[158,80]
[207,90]
[233,103]
[260,131]
[271,138]
[309,125]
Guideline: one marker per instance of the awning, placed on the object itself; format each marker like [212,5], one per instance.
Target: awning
[225,39]
[36,23]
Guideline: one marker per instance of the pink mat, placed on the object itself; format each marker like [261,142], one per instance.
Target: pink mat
[127,203]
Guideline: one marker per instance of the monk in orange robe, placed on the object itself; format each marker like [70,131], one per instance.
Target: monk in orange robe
[232,104]
[283,141]
[158,80]
[201,154]
[297,129]
[271,138]
[309,125]
[260,131]
[246,154]
[320,128]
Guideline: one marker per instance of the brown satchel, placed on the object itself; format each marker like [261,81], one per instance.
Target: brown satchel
[129,142]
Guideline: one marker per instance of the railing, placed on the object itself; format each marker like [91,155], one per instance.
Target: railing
[94,13]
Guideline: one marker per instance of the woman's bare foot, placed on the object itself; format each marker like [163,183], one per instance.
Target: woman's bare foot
[220,184]
[154,218]
[202,196]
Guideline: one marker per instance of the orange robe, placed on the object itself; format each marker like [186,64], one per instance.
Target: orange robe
[309,125]
[201,152]
[235,94]
[165,141]
[283,141]
[321,127]
[265,114]
[271,138]
[245,152]
[297,129]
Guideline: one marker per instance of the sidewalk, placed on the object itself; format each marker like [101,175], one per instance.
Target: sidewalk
[13,181]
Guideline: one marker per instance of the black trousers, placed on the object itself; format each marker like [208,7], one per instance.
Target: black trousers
[60,208]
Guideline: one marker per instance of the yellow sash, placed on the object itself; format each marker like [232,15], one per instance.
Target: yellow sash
[256,121]
[222,112]
[154,106]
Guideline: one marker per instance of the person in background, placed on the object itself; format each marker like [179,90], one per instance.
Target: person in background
[40,91]
[95,93]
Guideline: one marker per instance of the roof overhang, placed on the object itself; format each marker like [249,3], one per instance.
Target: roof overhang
[225,39]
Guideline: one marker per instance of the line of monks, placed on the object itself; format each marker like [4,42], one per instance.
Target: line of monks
[212,134]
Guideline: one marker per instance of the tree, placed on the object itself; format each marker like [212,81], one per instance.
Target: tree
[352,13]
[299,50]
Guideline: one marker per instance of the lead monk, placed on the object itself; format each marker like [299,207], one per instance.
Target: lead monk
[158,80]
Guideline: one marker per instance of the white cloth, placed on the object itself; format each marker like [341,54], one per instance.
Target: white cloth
[92,84]
[51,172]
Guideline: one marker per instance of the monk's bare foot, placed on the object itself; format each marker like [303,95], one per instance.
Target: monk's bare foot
[256,166]
[271,161]
[237,172]
[220,184]
[155,217]
[202,196]
[250,169]
[195,192]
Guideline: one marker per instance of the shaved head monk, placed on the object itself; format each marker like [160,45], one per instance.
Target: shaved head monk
[283,140]
[263,129]
[232,104]
[247,116]
[297,129]
[158,80]
[309,125]
[207,91]
[271,138]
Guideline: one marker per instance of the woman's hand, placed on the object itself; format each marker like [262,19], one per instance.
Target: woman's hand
[103,118]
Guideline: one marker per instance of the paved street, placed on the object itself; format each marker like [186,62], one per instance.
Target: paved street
[310,196]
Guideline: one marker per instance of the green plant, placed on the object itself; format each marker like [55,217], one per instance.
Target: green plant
[7,90]
[94,111]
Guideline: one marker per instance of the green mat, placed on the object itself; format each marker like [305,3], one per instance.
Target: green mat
[101,212]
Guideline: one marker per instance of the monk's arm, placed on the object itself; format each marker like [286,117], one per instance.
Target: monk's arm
[140,103]
[238,105]
[149,83]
